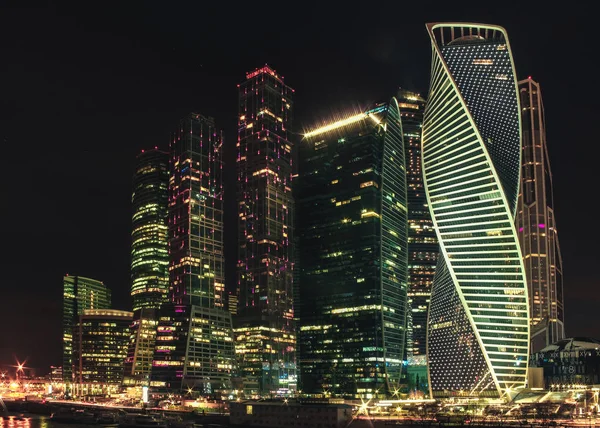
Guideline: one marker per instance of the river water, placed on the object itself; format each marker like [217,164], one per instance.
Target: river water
[34,421]
[28,420]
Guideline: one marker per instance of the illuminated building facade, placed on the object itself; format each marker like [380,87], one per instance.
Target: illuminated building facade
[194,351]
[232,302]
[79,294]
[194,329]
[55,375]
[196,214]
[149,260]
[142,337]
[100,347]
[422,240]
[352,255]
[536,225]
[569,362]
[478,325]
[149,243]
[264,328]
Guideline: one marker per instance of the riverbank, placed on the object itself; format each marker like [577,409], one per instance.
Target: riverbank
[46,408]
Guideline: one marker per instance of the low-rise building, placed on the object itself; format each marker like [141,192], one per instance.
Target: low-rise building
[290,413]
[568,362]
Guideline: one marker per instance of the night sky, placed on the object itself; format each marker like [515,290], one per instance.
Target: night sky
[85,86]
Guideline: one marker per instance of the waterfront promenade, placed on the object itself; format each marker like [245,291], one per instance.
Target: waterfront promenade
[36,414]
[41,409]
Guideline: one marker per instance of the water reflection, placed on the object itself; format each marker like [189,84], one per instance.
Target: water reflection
[29,421]
[16,421]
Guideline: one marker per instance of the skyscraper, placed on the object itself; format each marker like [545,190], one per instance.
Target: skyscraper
[478,326]
[79,294]
[536,225]
[422,241]
[100,347]
[149,260]
[196,214]
[149,243]
[194,338]
[352,252]
[264,330]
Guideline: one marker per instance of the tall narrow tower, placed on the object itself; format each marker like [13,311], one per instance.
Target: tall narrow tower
[194,342]
[478,326]
[422,241]
[536,225]
[149,243]
[264,331]
[149,260]
[196,265]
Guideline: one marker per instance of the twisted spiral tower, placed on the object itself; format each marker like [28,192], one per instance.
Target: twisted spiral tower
[478,324]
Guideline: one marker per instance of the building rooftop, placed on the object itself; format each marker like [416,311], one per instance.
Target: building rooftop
[113,313]
[573,344]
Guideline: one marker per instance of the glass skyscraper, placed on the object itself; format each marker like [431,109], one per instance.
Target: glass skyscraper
[194,338]
[264,327]
[79,294]
[352,255]
[149,243]
[149,260]
[196,214]
[422,241]
[536,225]
[478,326]
[100,347]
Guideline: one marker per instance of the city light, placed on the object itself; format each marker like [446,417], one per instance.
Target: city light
[396,263]
[337,124]
[467,185]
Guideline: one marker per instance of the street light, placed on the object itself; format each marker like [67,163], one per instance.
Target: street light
[20,369]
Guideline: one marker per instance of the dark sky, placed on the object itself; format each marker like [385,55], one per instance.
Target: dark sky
[85,86]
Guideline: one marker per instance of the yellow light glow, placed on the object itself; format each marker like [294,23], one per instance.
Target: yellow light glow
[335,125]
[374,119]
[409,105]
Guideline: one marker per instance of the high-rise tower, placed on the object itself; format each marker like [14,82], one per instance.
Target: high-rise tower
[264,331]
[194,343]
[352,255]
[536,225]
[422,241]
[478,326]
[149,260]
[79,294]
[149,243]
[196,214]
